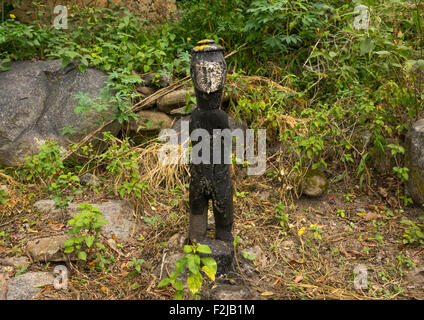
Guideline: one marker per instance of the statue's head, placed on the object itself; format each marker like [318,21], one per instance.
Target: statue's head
[208,68]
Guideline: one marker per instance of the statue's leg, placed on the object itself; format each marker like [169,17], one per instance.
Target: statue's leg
[199,203]
[223,210]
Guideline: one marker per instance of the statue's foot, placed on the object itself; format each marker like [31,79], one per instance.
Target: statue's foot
[224,236]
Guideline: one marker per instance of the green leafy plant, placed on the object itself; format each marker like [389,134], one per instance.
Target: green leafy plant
[136,264]
[45,165]
[85,233]
[413,233]
[3,196]
[316,231]
[284,218]
[195,264]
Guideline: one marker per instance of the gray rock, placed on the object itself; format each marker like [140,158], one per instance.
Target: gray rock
[145,91]
[48,249]
[119,213]
[89,179]
[314,184]
[14,261]
[176,242]
[182,111]
[36,103]
[28,285]
[414,158]
[415,278]
[45,206]
[173,100]
[153,79]
[149,122]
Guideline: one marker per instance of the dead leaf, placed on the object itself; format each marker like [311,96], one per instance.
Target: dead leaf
[292,262]
[57,227]
[276,282]
[267,293]
[371,216]
[382,192]
[321,279]
[298,279]
[392,201]
[355,252]
[347,255]
[338,239]
[104,290]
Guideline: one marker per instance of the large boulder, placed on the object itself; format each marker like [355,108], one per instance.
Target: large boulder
[414,156]
[37,102]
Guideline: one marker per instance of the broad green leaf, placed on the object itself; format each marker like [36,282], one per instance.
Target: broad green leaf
[82,255]
[209,272]
[164,282]
[210,262]
[203,249]
[180,265]
[100,245]
[179,285]
[194,282]
[89,241]
[188,249]
[69,249]
[68,243]
[193,263]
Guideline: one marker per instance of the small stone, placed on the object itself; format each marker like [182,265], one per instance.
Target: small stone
[14,261]
[230,292]
[255,253]
[149,121]
[264,195]
[415,278]
[153,79]
[315,184]
[167,264]
[28,285]
[382,192]
[146,91]
[45,206]
[47,249]
[176,242]
[89,179]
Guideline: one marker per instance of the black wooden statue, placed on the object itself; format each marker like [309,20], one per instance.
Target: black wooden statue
[210,181]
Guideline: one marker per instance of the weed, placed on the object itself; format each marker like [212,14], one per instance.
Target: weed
[85,232]
[193,262]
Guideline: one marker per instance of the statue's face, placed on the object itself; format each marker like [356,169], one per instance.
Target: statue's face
[209,75]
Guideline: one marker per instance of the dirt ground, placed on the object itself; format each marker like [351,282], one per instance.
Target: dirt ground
[317,253]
